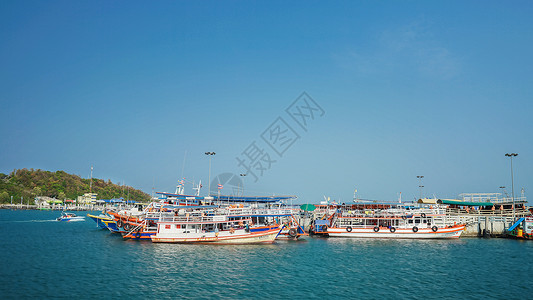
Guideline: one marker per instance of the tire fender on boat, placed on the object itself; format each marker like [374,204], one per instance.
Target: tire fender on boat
[415,229]
[119,223]
[376,229]
[404,217]
[138,234]
[392,229]
[423,215]
[349,228]
[293,232]
[324,228]
[434,228]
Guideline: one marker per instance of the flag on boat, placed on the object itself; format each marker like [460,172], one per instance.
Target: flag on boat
[220,186]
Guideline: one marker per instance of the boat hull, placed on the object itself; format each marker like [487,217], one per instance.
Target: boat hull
[72,219]
[139,235]
[100,220]
[399,233]
[239,237]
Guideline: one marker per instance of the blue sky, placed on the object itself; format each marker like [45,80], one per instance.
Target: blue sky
[141,90]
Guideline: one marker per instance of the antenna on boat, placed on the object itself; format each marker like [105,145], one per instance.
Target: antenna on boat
[180,187]
[354,195]
[400,198]
[197,188]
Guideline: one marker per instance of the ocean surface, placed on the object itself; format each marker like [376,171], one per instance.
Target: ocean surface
[43,258]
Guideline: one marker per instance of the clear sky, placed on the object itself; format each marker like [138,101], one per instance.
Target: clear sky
[141,90]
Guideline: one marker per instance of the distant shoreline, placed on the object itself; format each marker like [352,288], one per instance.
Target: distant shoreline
[55,208]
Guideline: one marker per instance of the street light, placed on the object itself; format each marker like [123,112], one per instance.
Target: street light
[420,184]
[503,191]
[242,175]
[511,155]
[210,154]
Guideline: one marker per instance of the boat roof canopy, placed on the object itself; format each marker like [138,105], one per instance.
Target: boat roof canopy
[262,199]
[427,201]
[229,198]
[464,203]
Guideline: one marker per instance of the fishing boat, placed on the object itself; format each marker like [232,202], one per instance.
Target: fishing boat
[398,224]
[200,226]
[143,223]
[103,220]
[267,219]
[70,217]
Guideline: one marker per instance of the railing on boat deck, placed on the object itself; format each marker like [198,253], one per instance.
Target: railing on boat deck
[216,215]
[496,212]
[392,213]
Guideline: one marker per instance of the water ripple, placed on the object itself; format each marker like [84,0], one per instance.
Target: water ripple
[65,260]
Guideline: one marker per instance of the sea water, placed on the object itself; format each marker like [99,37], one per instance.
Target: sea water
[44,258]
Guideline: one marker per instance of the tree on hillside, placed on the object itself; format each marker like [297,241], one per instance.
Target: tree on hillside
[4,197]
[37,191]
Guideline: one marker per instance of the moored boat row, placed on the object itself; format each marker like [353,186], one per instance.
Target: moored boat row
[172,221]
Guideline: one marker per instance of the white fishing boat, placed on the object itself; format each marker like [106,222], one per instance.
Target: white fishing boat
[398,224]
[198,226]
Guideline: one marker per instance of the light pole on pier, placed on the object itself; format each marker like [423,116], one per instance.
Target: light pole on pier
[511,155]
[503,191]
[210,154]
[420,184]
[242,175]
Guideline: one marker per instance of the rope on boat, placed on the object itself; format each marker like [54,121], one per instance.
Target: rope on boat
[136,228]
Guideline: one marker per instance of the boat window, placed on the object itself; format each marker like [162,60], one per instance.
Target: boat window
[410,221]
[178,226]
[417,221]
[424,221]
[167,226]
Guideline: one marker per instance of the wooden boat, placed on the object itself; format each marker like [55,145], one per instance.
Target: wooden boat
[103,221]
[398,226]
[199,227]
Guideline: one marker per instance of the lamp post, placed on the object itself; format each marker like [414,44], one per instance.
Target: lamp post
[420,184]
[210,154]
[242,175]
[503,191]
[511,155]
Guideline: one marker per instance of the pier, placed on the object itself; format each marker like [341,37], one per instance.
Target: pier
[493,223]
[479,223]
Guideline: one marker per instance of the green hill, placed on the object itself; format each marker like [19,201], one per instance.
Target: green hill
[61,185]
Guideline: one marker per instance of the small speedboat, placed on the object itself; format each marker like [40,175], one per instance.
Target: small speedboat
[68,217]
